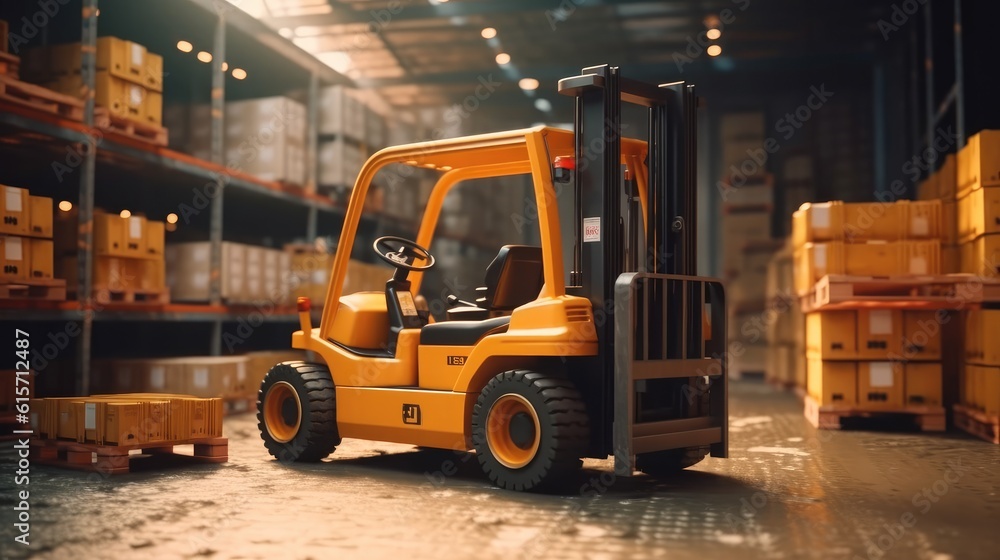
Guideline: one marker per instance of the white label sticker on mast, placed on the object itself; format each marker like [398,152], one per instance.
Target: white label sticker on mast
[591,230]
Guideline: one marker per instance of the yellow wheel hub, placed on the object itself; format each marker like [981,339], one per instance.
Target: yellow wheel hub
[513,431]
[282,412]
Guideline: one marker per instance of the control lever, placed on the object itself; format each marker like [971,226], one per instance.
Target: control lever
[453,301]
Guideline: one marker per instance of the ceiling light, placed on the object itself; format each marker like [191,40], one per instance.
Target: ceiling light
[65,206]
[239,73]
[184,46]
[489,33]
[528,84]
[543,105]
[225,66]
[503,58]
[171,218]
[714,34]
[205,56]
[125,214]
[714,50]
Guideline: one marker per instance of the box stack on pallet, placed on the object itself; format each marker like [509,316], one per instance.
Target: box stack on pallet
[26,247]
[942,185]
[249,274]
[128,88]
[72,430]
[978,194]
[978,409]
[267,138]
[129,264]
[865,273]
[352,126]
[785,323]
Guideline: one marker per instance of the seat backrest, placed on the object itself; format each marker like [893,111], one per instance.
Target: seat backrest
[513,279]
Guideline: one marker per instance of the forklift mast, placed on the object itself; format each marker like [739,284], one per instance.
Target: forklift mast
[646,268]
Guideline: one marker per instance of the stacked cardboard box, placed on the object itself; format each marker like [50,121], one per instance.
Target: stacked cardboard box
[941,185]
[249,273]
[267,138]
[129,81]
[978,192]
[128,252]
[979,394]
[199,376]
[26,248]
[340,160]
[866,239]
[785,324]
[127,419]
[873,357]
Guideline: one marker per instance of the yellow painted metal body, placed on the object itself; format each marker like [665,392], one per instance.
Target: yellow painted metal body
[441,383]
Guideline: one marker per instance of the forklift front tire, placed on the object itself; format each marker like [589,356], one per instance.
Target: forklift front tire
[297,412]
[529,430]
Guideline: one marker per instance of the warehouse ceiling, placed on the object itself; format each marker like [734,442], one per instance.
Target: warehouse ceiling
[432,52]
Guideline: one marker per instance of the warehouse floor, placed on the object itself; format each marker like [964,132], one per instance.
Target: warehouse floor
[787,492]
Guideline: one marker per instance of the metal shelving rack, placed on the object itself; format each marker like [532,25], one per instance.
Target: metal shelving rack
[85,310]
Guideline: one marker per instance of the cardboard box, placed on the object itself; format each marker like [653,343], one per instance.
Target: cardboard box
[16,210]
[188,269]
[989,387]
[120,58]
[832,382]
[42,258]
[757,190]
[979,162]
[254,283]
[832,335]
[342,113]
[15,256]
[880,385]
[121,97]
[880,333]
[979,213]
[738,229]
[923,383]
[981,256]
[899,258]
[947,178]
[980,337]
[856,222]
[921,335]
[114,236]
[155,238]
[40,209]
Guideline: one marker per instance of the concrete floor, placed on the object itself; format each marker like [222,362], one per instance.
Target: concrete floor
[788,491]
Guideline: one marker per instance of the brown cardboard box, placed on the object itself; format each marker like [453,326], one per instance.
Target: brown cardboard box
[123,424]
[981,256]
[122,59]
[113,235]
[921,335]
[41,258]
[979,213]
[155,238]
[880,385]
[15,208]
[188,267]
[923,383]
[41,216]
[832,335]
[979,162]
[813,261]
[15,256]
[832,382]
[120,97]
[880,333]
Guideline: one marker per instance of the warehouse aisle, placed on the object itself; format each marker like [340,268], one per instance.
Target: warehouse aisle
[788,492]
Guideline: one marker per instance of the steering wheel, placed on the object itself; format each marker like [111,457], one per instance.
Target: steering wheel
[405,255]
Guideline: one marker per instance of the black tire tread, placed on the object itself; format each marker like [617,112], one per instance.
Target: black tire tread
[318,436]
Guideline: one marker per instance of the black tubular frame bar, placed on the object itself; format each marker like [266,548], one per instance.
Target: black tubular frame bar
[641,354]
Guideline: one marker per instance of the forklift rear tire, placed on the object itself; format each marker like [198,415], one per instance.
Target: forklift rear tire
[665,463]
[297,412]
[530,430]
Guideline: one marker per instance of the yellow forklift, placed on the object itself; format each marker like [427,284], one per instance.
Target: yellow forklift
[607,346]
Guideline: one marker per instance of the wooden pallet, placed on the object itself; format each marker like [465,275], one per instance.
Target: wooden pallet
[106,295]
[52,289]
[948,291]
[10,65]
[143,132]
[112,459]
[978,423]
[832,416]
[40,98]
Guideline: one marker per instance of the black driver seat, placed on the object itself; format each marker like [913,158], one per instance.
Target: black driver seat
[513,279]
